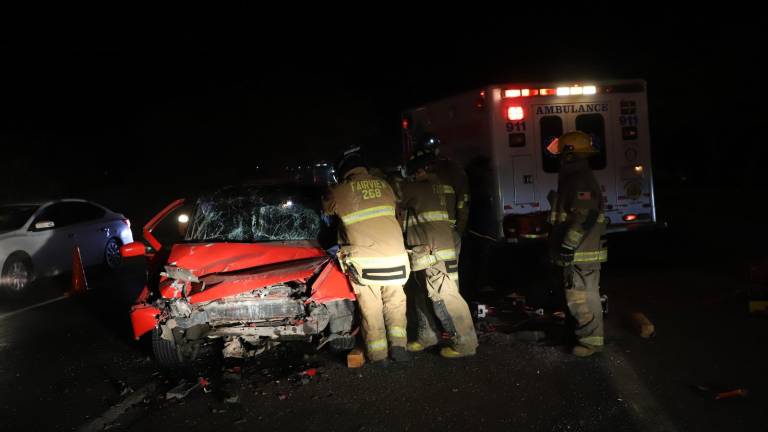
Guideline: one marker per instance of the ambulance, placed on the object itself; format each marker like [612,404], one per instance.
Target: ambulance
[501,133]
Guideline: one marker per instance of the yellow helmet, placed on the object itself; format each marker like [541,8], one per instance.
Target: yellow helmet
[573,142]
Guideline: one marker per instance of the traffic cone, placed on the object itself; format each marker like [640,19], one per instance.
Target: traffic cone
[79,282]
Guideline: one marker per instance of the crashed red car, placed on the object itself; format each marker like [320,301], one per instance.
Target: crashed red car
[249,270]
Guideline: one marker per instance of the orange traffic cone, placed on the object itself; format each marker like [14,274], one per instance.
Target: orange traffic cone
[79,282]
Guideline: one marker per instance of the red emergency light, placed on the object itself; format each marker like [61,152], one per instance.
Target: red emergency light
[515,113]
[630,217]
[514,93]
[547,92]
[405,123]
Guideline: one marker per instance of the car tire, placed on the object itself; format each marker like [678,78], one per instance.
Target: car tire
[16,275]
[169,354]
[112,257]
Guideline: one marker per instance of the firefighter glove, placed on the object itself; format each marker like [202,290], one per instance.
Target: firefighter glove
[566,254]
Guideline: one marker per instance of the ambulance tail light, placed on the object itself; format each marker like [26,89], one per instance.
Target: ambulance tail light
[630,217]
[515,113]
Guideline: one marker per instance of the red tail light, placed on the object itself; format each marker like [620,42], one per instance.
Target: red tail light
[630,217]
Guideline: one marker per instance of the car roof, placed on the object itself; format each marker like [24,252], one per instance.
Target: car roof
[46,202]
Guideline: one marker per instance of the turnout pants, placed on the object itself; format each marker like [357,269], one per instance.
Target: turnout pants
[435,286]
[383,311]
[582,295]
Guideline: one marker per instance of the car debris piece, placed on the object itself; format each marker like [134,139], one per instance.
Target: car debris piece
[185,388]
[720,393]
[182,390]
[642,325]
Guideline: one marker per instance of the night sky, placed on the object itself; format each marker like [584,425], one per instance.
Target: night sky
[161,109]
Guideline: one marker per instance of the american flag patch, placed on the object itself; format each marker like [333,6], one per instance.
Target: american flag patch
[584,195]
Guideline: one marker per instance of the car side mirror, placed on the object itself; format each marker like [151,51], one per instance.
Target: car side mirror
[44,225]
[133,250]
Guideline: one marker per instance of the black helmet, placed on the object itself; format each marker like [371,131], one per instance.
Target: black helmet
[419,159]
[351,158]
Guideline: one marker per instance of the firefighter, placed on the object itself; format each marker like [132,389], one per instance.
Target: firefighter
[456,189]
[576,245]
[430,240]
[372,254]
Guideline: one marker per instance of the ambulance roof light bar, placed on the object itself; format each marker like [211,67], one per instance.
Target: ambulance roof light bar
[559,91]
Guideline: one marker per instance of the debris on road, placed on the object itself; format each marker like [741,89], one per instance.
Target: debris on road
[720,393]
[732,394]
[642,325]
[184,388]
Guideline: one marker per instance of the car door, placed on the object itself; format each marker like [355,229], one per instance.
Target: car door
[50,240]
[89,231]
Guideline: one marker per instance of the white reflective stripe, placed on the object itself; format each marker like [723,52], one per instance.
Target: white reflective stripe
[595,256]
[574,236]
[454,276]
[446,254]
[592,340]
[380,262]
[533,236]
[397,332]
[460,204]
[448,189]
[433,216]
[376,345]
[366,214]
[423,262]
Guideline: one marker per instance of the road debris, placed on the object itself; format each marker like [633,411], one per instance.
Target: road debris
[642,325]
[185,388]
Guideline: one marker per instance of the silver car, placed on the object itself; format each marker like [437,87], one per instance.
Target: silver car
[37,239]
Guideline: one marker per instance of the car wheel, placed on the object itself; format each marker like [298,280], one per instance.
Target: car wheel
[16,275]
[170,354]
[112,257]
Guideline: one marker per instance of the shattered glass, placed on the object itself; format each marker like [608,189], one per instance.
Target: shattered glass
[256,214]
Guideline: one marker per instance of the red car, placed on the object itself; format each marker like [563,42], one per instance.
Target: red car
[247,267]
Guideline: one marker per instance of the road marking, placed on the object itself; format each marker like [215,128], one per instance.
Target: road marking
[113,413]
[18,311]
[648,415]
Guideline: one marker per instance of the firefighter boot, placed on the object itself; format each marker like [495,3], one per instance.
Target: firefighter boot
[450,353]
[416,346]
[399,354]
[583,350]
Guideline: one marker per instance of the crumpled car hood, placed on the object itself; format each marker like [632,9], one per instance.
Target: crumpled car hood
[206,258]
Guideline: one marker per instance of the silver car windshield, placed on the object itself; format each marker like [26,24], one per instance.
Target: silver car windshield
[256,214]
[13,217]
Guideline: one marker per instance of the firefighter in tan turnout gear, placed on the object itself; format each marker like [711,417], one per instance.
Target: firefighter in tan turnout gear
[431,241]
[576,245]
[372,254]
[456,190]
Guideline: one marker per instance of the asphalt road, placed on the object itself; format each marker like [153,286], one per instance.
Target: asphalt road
[72,365]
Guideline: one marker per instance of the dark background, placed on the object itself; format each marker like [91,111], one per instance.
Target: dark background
[125,110]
